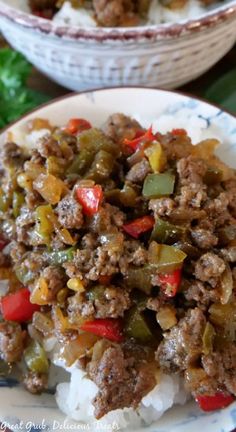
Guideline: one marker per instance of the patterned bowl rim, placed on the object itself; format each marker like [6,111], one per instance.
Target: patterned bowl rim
[126,88]
[101,34]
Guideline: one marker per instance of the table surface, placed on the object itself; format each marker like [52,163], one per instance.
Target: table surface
[39,82]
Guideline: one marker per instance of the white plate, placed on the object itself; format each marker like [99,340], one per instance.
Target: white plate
[26,412]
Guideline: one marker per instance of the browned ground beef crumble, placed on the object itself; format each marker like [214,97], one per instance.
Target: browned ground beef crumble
[116,271]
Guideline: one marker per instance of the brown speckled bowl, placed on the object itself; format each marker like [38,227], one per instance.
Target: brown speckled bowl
[165,55]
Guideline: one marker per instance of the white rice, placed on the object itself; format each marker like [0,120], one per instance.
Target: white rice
[157,14]
[74,17]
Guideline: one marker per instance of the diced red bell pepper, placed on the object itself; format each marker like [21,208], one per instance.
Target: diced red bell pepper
[77,125]
[106,328]
[218,401]
[170,282]
[147,136]
[104,279]
[181,132]
[90,198]
[17,306]
[3,243]
[139,226]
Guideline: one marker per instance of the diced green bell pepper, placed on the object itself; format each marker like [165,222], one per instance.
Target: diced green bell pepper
[23,274]
[165,258]
[164,232]
[56,166]
[128,196]
[96,293]
[45,227]
[136,326]
[35,358]
[17,202]
[139,278]
[101,167]
[93,140]
[158,185]
[81,163]
[60,257]
[5,201]
[5,368]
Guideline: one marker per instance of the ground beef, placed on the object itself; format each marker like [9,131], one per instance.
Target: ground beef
[118,127]
[229,253]
[112,303]
[34,261]
[220,365]
[89,241]
[134,253]
[138,172]
[191,170]
[232,202]
[4,260]
[182,345]
[35,383]
[56,242]
[11,342]
[107,259]
[106,219]
[186,215]
[33,199]
[72,271]
[162,206]
[78,306]
[70,212]
[120,383]
[199,383]
[203,238]
[209,268]
[202,293]
[38,5]
[192,195]
[56,280]
[176,147]
[100,261]
[109,13]
[48,146]
[217,210]
[11,154]
[24,222]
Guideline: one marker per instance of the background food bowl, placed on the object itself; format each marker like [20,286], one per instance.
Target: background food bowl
[166,55]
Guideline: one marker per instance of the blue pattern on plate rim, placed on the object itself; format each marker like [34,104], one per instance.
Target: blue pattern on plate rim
[210,115]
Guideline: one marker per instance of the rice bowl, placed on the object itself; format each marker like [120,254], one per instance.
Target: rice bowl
[198,127]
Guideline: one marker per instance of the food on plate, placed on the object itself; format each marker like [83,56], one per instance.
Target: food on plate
[115,13]
[118,244]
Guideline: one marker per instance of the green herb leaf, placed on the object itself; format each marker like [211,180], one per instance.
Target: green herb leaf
[15,97]
[223,91]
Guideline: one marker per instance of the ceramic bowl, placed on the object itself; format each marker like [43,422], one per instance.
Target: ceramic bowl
[165,56]
[17,406]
